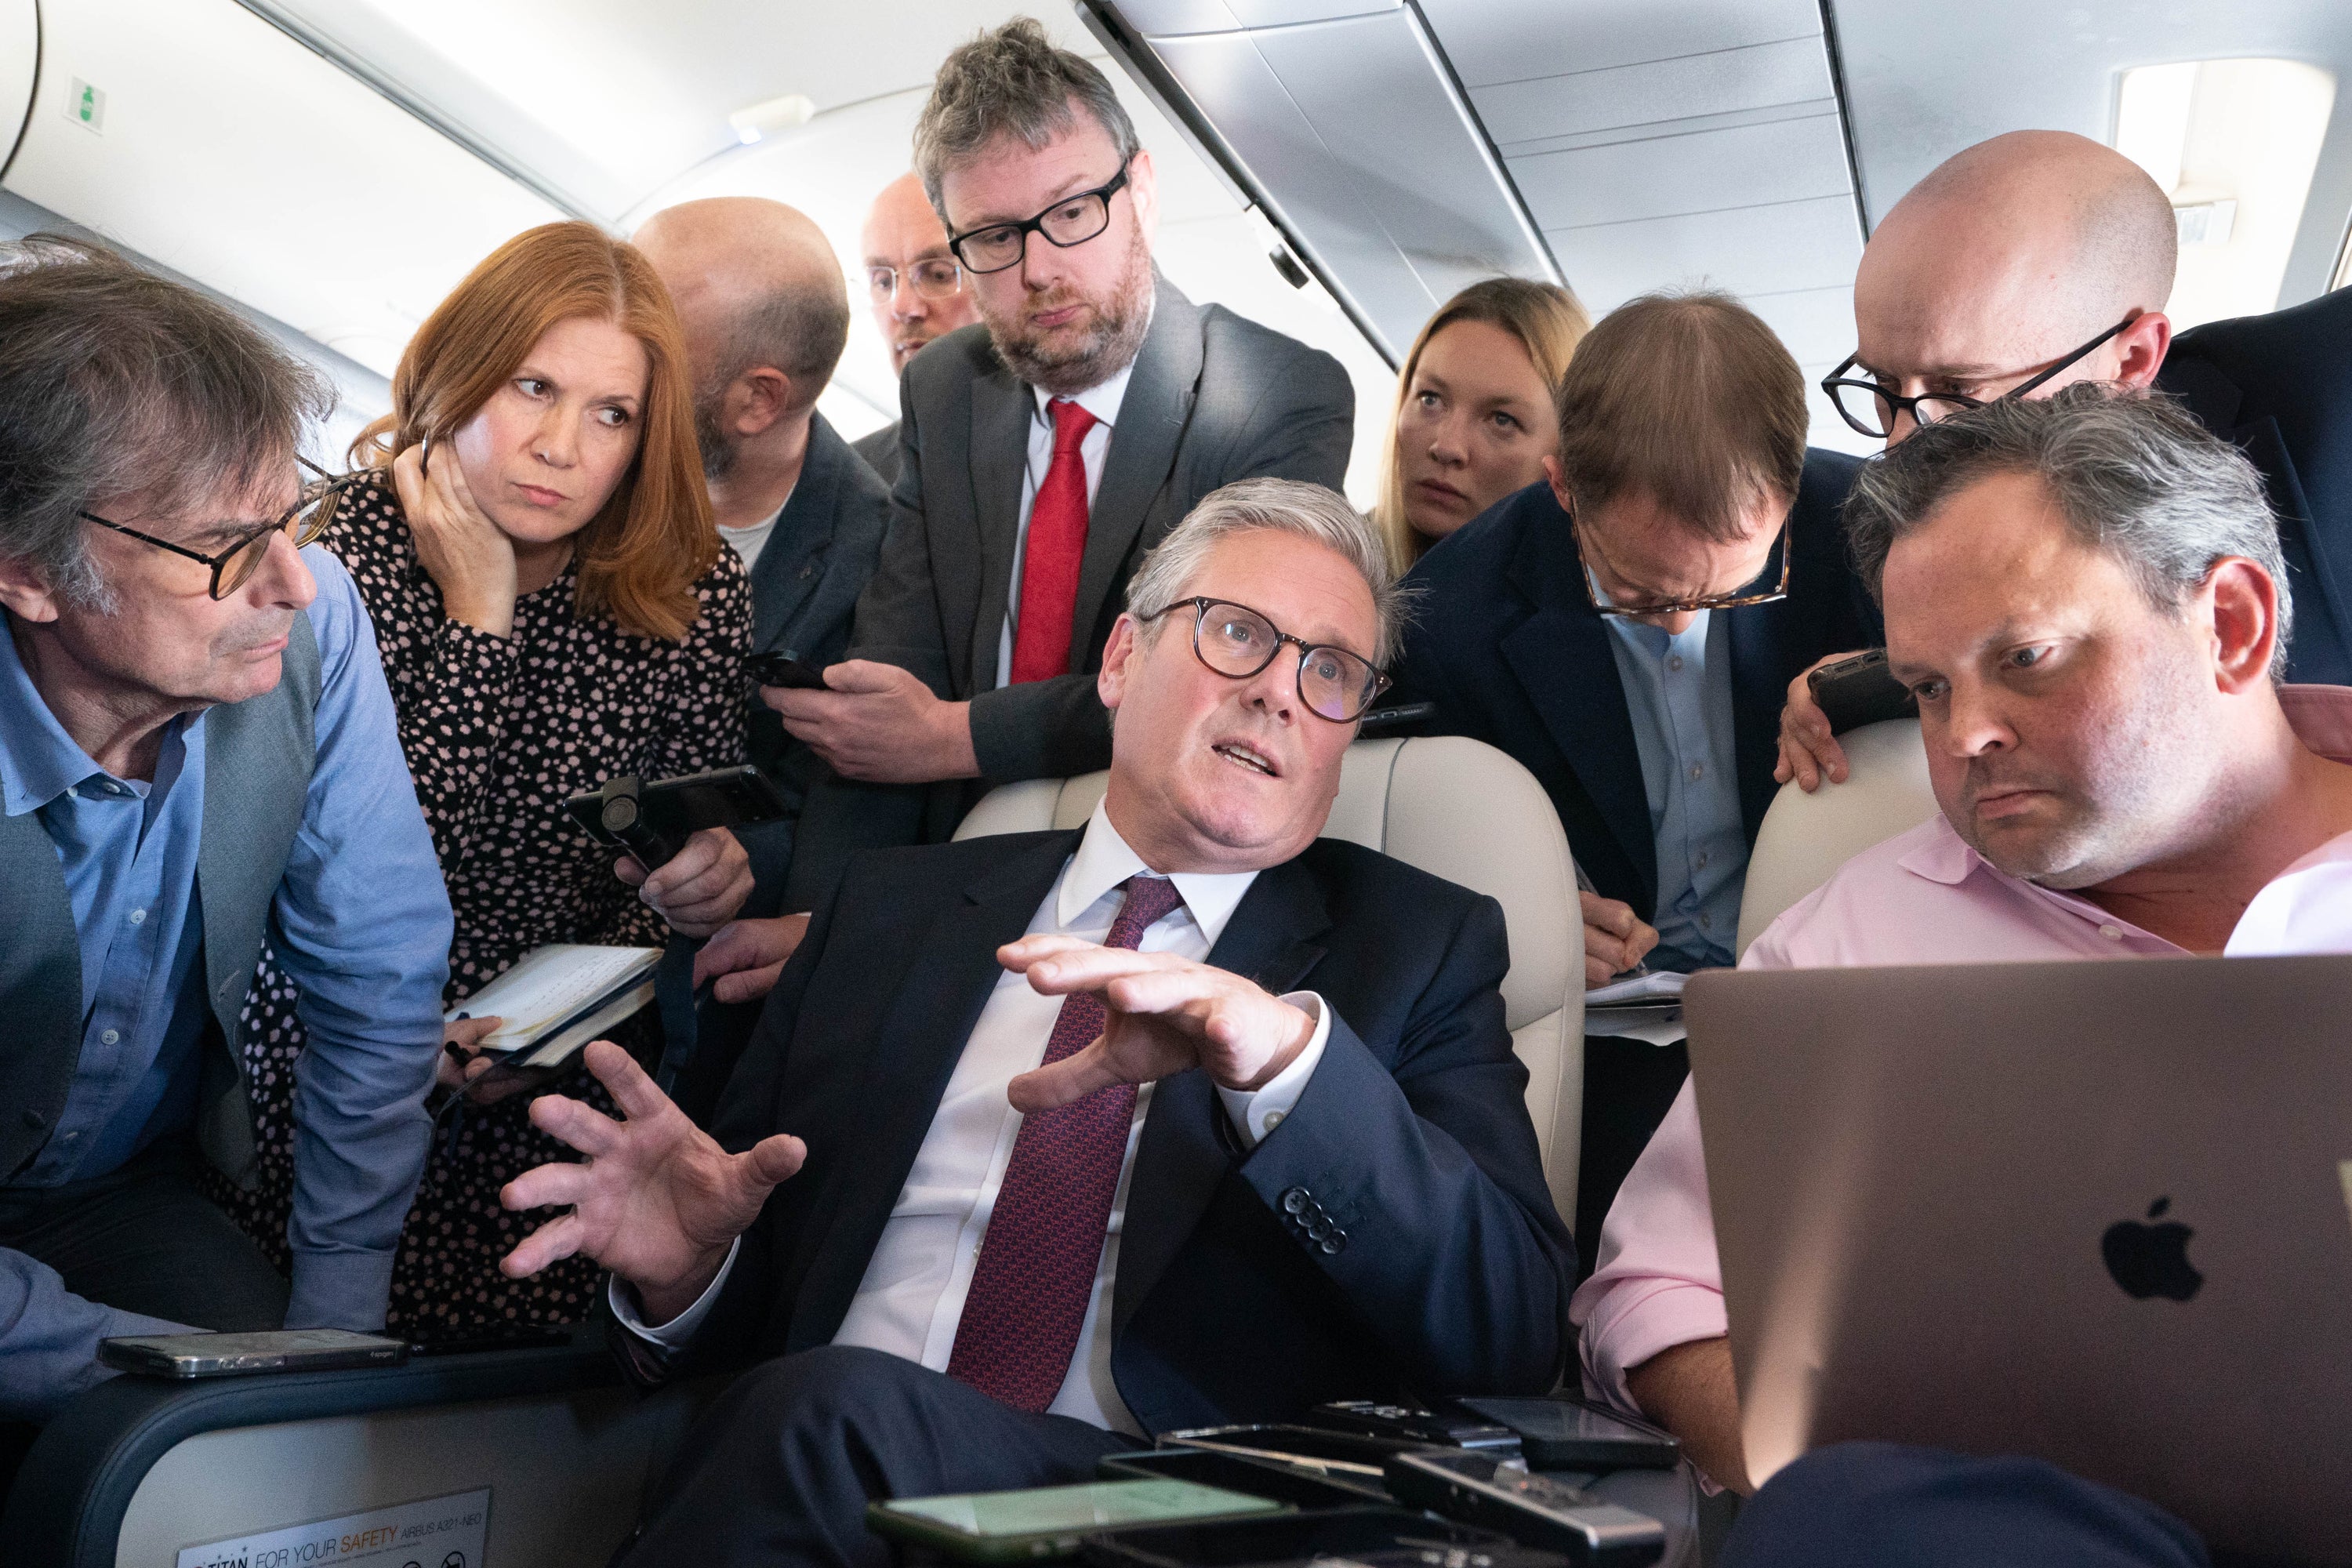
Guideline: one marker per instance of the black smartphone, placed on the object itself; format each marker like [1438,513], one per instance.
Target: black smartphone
[1384,1418]
[1396,716]
[1309,1447]
[231,1355]
[1861,690]
[652,820]
[1535,1510]
[786,670]
[1238,1473]
[1565,1433]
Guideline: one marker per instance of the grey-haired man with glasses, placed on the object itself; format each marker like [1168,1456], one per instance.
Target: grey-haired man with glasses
[2039,259]
[197,755]
[1041,455]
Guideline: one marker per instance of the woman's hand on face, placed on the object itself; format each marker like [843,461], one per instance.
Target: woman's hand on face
[466,555]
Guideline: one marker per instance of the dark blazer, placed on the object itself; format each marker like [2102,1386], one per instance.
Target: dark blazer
[1451,1270]
[881,450]
[2280,386]
[1505,640]
[1212,398]
[804,588]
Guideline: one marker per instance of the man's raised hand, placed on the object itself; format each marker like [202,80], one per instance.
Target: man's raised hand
[657,1201]
[1162,1016]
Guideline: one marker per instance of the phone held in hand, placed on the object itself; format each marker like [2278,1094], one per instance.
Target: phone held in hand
[652,820]
[785,670]
[1860,690]
[232,1355]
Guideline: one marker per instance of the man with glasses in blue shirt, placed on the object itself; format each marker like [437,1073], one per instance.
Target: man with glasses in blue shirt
[1040,457]
[197,754]
[2039,259]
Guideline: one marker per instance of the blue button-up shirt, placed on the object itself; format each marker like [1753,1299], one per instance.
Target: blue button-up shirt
[1678,692]
[362,925]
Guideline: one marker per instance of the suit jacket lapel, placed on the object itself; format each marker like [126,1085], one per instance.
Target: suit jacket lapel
[1270,940]
[1002,408]
[925,1035]
[803,534]
[1758,694]
[1151,417]
[1562,657]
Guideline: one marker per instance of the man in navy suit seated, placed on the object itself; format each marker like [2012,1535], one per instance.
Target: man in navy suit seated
[1627,631]
[2039,259]
[1275,1149]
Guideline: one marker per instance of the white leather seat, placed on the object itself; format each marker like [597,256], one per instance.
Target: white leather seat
[1804,837]
[1457,809]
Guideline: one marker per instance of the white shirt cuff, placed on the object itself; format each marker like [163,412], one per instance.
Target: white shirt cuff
[674,1334]
[1256,1112]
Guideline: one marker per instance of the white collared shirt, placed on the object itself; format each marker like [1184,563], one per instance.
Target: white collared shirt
[911,1297]
[1101,400]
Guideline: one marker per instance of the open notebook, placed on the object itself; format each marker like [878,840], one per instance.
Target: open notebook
[558,997]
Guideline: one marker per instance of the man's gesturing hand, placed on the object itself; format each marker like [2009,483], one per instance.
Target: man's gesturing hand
[1164,1014]
[657,1201]
[876,722]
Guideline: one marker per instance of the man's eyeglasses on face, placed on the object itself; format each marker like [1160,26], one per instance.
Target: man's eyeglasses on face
[1871,408]
[1073,220]
[933,278]
[233,567]
[1237,643]
[1736,599]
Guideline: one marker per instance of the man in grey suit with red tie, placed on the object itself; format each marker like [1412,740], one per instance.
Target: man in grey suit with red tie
[1042,453]
[1050,1141]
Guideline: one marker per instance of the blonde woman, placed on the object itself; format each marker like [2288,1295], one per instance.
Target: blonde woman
[1473,416]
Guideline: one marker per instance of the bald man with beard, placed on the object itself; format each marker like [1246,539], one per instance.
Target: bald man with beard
[765,310]
[2040,258]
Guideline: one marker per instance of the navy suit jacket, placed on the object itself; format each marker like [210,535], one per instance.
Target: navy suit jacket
[804,589]
[1452,1269]
[2280,386]
[1506,641]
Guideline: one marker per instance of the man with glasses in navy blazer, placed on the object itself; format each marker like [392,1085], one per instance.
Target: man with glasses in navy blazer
[1050,1141]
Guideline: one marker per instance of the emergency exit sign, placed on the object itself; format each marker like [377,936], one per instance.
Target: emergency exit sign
[85,107]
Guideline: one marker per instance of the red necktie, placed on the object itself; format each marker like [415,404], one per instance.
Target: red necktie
[1045,1237]
[1057,544]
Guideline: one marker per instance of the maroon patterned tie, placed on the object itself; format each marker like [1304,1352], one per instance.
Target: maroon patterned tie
[1045,1237]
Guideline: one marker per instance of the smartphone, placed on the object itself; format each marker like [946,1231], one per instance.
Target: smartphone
[1397,716]
[1046,1521]
[652,820]
[1309,1447]
[1263,1478]
[786,670]
[1564,1433]
[1534,1510]
[231,1355]
[1415,1425]
[1860,690]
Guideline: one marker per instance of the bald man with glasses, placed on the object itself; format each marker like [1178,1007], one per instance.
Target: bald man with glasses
[2039,259]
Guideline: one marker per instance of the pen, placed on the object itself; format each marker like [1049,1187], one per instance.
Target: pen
[1584,885]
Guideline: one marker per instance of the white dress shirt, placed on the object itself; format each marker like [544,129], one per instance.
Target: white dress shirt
[1102,401]
[912,1296]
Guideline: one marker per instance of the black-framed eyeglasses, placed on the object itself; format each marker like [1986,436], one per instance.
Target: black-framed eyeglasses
[1872,409]
[1073,220]
[233,567]
[1736,599]
[1237,643]
[931,277]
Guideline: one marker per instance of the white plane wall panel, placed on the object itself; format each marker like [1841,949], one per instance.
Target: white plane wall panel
[231,153]
[20,48]
[1354,126]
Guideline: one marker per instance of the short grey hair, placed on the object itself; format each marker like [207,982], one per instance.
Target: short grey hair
[800,331]
[2135,475]
[115,383]
[1012,82]
[1279,506]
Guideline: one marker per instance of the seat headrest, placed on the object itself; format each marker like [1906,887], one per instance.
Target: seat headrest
[1805,838]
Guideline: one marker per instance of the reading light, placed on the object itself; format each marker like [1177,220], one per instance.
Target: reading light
[2234,144]
[763,119]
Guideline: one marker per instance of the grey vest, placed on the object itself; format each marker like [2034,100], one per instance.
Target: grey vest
[258,760]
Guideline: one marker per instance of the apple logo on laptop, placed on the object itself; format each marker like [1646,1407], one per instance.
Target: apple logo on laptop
[2151,1259]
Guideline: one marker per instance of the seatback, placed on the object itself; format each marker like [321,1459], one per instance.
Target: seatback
[1458,809]
[1805,838]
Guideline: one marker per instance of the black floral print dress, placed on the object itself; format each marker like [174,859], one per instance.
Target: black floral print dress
[497,732]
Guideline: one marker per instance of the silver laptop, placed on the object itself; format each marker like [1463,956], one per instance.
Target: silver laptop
[2096,1212]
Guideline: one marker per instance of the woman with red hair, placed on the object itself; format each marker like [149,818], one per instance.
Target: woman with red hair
[554,608]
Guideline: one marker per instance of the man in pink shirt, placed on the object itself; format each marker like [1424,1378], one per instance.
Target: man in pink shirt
[2087,595]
